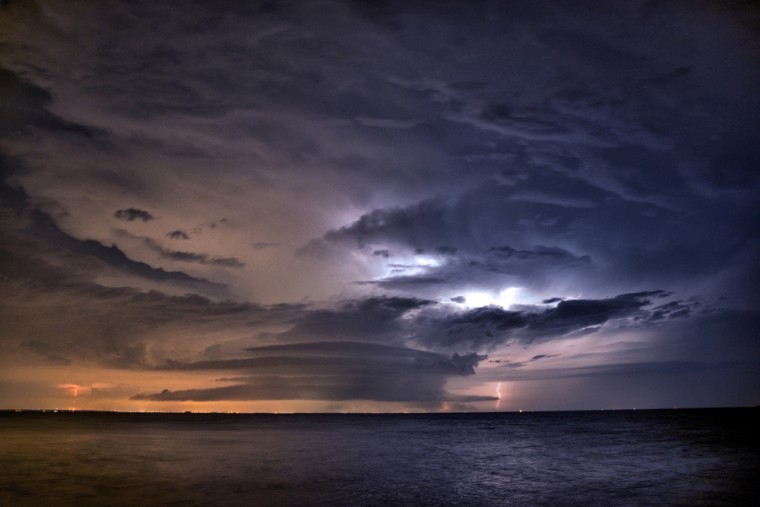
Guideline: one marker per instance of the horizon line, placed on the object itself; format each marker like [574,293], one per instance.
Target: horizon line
[460,412]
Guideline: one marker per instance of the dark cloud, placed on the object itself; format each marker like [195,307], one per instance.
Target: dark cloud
[624,240]
[228,262]
[343,357]
[425,225]
[571,315]
[446,250]
[24,106]
[372,319]
[553,254]
[521,364]
[332,371]
[607,166]
[114,326]
[422,155]
[44,271]
[45,228]
[409,390]
[130,214]
[417,223]
[177,235]
[480,328]
[488,327]
[675,309]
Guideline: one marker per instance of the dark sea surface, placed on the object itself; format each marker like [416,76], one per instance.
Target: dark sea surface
[644,457]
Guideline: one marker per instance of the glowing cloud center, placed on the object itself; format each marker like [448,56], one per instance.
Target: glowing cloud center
[505,298]
[405,266]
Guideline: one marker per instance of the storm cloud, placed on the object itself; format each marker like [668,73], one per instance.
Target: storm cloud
[487,327]
[495,268]
[340,201]
[335,371]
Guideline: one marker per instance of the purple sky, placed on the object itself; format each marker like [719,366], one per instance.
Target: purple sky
[379,206]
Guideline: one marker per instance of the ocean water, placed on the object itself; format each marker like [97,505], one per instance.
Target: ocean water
[668,457]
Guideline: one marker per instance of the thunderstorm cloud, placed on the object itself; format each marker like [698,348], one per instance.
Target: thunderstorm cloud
[302,206]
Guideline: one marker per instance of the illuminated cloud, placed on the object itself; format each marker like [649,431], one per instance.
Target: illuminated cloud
[404,182]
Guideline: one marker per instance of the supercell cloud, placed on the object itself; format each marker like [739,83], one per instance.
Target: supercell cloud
[379,206]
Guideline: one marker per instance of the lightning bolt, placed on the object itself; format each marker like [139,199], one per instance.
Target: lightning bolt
[498,395]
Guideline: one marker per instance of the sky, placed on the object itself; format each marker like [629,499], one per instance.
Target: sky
[374,206]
